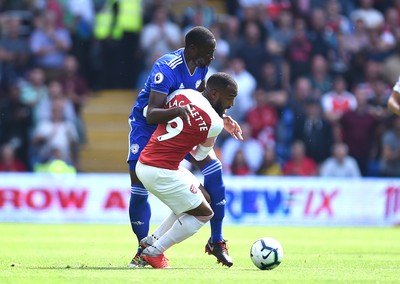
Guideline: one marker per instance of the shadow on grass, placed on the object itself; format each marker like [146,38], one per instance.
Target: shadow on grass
[118,268]
[83,268]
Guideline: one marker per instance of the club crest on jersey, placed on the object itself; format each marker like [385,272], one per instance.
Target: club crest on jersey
[193,189]
[198,82]
[158,78]
[135,148]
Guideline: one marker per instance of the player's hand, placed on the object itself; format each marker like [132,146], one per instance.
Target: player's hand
[187,112]
[232,127]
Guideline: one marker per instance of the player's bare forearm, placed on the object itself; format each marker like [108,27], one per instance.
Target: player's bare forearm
[160,115]
[394,103]
[156,113]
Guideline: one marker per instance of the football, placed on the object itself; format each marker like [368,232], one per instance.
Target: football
[266,253]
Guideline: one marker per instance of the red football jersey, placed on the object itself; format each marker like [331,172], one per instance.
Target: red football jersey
[171,142]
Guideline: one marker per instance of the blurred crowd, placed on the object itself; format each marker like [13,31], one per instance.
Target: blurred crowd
[314,77]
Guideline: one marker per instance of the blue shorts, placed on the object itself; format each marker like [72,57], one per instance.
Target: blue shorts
[139,136]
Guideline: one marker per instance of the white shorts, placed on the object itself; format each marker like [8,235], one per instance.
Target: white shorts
[179,190]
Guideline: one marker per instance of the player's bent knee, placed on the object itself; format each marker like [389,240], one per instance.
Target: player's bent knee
[205,219]
[203,209]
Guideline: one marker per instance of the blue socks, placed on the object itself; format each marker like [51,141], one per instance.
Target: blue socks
[139,211]
[215,187]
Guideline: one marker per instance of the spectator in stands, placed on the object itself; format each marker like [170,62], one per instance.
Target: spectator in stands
[340,164]
[74,85]
[160,35]
[379,48]
[336,103]
[338,100]
[105,58]
[321,38]
[8,160]
[14,51]
[252,49]
[390,159]
[336,22]
[271,82]
[150,6]
[198,14]
[44,109]
[377,106]
[33,89]
[370,16]
[239,166]
[57,132]
[263,119]
[253,12]
[358,129]
[391,25]
[250,147]
[246,86]
[299,164]
[16,123]
[269,165]
[358,39]
[232,7]
[301,92]
[280,36]
[81,27]
[321,80]
[54,7]
[49,44]
[378,101]
[277,97]
[231,33]
[315,132]
[55,164]
[76,90]
[372,70]
[299,51]
[390,67]
[128,24]
[340,58]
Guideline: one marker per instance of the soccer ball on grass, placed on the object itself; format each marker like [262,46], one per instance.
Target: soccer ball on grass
[266,253]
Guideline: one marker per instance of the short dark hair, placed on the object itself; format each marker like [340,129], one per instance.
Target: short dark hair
[198,36]
[220,80]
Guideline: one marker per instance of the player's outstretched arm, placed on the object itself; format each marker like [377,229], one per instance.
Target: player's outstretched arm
[232,127]
[394,103]
[156,113]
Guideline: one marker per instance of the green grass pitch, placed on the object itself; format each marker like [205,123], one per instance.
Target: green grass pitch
[100,253]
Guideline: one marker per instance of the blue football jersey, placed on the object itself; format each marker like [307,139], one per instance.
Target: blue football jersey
[168,74]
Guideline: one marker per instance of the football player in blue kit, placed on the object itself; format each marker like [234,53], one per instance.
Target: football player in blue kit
[185,68]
